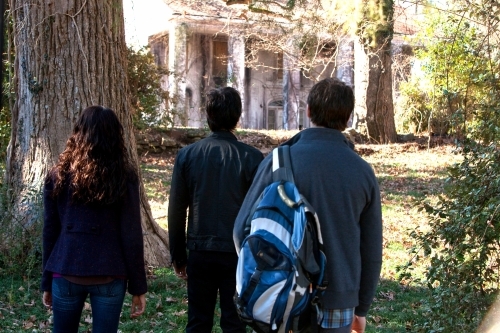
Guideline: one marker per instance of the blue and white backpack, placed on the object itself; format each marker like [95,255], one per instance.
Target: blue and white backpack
[280,273]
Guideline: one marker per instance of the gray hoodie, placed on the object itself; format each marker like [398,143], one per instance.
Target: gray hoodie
[343,190]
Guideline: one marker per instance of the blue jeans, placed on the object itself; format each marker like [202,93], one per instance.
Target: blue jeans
[69,298]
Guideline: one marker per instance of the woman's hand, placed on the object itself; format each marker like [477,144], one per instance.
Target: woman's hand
[47,299]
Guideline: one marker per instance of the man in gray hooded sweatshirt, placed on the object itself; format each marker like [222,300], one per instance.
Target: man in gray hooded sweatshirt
[343,190]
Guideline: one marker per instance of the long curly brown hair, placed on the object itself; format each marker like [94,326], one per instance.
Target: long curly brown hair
[95,163]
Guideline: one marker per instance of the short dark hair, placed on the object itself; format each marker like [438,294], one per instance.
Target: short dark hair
[331,103]
[223,109]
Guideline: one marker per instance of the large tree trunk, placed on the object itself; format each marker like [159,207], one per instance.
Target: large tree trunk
[373,73]
[373,91]
[70,54]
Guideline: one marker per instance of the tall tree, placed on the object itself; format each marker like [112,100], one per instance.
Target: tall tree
[373,63]
[70,54]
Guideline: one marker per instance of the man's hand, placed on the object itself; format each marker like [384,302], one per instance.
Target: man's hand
[47,299]
[138,305]
[180,271]
[358,324]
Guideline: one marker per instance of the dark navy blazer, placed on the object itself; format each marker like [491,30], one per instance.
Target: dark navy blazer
[92,239]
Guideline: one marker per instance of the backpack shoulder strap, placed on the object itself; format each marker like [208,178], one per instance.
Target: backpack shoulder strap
[282,171]
[282,165]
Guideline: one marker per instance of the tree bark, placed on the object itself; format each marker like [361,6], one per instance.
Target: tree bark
[70,54]
[373,73]
[373,91]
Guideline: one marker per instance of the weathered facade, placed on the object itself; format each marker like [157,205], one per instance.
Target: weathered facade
[209,47]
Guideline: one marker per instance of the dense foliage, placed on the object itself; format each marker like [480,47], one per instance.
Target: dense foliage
[456,74]
[148,97]
[373,22]
[7,93]
[461,245]
[4,133]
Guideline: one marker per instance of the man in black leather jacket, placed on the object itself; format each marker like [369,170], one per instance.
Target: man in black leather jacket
[211,178]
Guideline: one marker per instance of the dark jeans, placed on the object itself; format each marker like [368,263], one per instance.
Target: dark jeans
[208,273]
[69,298]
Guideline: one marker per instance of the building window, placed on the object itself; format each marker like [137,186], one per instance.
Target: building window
[159,49]
[219,64]
[275,66]
[303,121]
[188,100]
[323,57]
[279,66]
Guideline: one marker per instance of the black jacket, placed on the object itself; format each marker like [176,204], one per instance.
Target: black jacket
[211,177]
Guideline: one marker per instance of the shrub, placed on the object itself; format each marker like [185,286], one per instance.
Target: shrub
[447,94]
[412,110]
[149,99]
[461,243]
[20,245]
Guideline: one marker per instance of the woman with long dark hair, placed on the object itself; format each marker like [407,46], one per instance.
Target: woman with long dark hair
[92,236]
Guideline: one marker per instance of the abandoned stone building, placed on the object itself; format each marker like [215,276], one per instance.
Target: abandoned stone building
[209,44]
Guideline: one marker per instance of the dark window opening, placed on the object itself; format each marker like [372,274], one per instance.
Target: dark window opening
[219,65]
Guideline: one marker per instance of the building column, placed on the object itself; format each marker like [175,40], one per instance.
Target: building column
[177,51]
[345,61]
[291,86]
[236,71]
[345,66]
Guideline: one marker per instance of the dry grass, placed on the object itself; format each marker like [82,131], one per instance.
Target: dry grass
[407,173]
[156,174]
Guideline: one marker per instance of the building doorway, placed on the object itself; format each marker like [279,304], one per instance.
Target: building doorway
[275,115]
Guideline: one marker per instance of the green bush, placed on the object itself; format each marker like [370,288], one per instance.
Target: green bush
[461,246]
[4,135]
[412,110]
[20,244]
[446,97]
[149,99]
